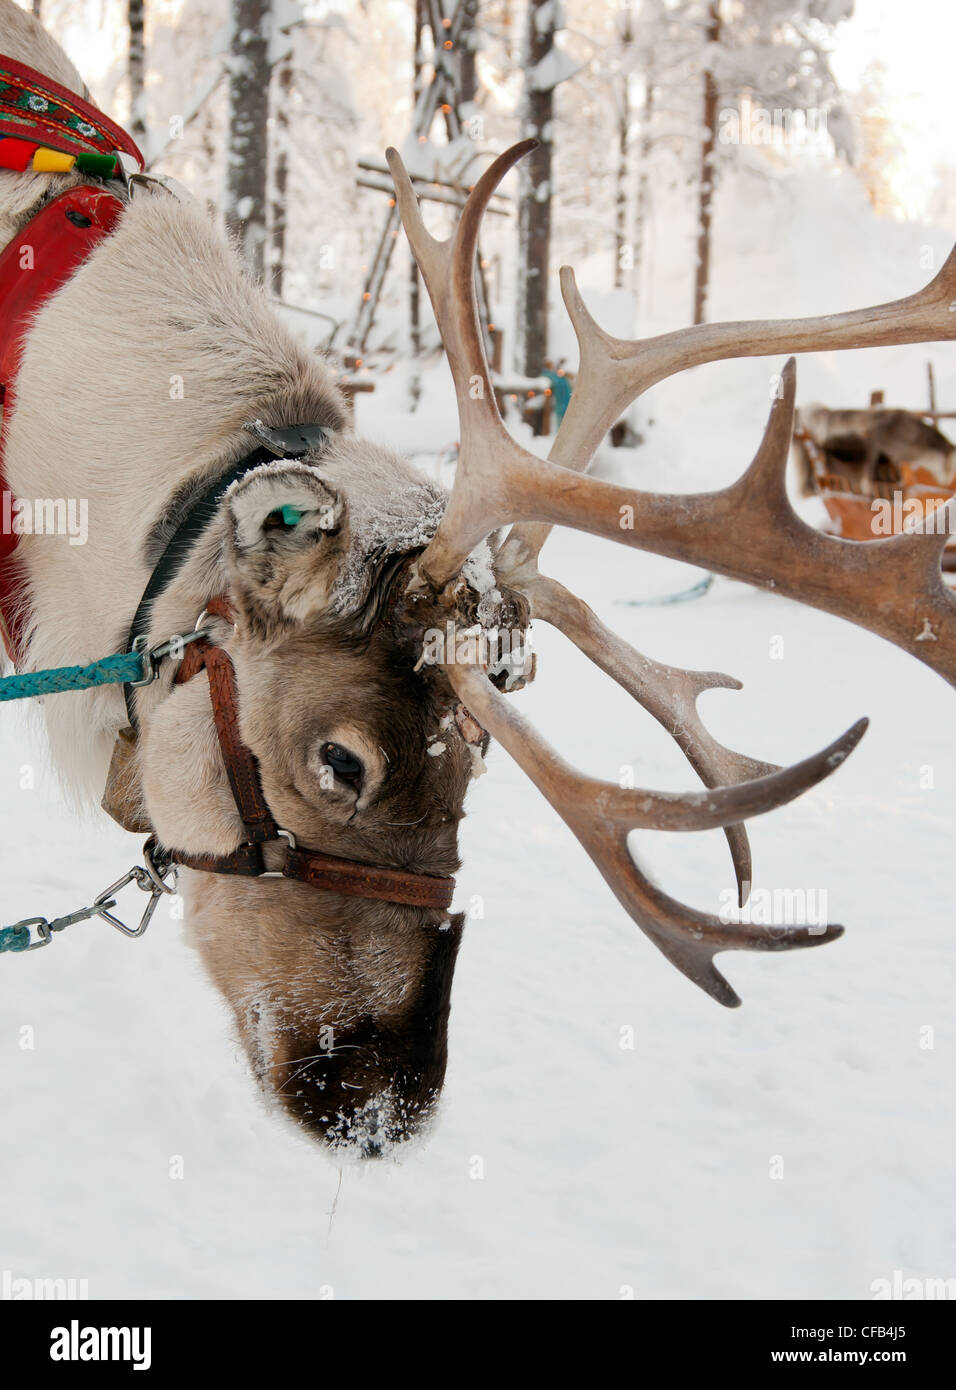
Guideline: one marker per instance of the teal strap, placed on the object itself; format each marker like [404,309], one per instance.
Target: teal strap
[120,669]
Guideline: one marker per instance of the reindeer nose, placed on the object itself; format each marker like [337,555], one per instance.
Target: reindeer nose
[356,1120]
[364,1095]
[366,1086]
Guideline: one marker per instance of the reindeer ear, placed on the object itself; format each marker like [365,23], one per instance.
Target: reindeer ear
[288,539]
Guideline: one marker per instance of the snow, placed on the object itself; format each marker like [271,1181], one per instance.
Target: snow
[604,1165]
[549,16]
[555,67]
[409,522]
[607,1131]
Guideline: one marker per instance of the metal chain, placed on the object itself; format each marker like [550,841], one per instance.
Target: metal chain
[150,876]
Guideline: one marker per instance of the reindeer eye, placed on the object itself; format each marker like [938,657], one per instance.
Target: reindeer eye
[344,764]
[282,519]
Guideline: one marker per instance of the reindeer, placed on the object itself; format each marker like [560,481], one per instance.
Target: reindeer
[319,578]
[873,450]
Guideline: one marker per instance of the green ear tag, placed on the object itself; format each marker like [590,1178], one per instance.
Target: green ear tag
[291,515]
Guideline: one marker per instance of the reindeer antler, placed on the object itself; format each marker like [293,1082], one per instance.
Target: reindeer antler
[613,372]
[498,482]
[667,692]
[602,816]
[448,270]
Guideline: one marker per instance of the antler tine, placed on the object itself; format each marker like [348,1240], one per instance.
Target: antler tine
[602,815]
[480,499]
[669,693]
[894,589]
[613,372]
[448,271]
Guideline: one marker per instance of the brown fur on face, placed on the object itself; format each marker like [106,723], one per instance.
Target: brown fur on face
[362,693]
[341,1003]
[342,1008]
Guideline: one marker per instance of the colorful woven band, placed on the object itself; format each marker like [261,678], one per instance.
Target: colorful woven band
[35,108]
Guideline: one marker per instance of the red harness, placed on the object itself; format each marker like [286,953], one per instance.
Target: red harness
[46,252]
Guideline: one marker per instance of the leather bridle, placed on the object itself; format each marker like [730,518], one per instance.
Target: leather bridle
[310,866]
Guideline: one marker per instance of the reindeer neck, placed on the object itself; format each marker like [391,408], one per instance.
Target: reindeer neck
[135,384]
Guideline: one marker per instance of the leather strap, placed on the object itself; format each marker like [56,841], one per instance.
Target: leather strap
[311,866]
[241,766]
[367,880]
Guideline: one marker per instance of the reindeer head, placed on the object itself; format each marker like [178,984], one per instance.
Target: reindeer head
[362,751]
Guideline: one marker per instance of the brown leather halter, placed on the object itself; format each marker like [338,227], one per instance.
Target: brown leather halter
[306,865]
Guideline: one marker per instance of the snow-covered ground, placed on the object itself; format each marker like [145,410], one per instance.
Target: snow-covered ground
[797,1147]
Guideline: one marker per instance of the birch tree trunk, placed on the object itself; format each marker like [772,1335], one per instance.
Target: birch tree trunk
[136,14]
[626,37]
[467,76]
[247,159]
[414,278]
[280,180]
[534,212]
[707,168]
[642,201]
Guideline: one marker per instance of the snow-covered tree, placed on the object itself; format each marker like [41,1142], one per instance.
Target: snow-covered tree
[774,53]
[136,14]
[545,65]
[247,159]
[880,147]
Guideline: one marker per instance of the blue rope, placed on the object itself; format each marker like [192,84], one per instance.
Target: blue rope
[14,938]
[109,670]
[118,669]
